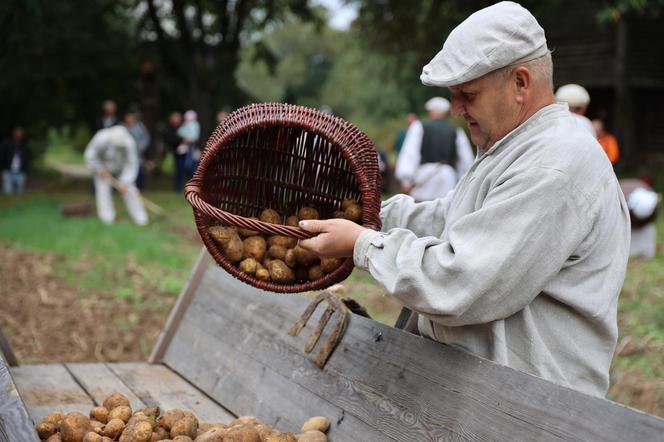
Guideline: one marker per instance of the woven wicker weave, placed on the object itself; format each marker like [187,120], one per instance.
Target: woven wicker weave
[282,157]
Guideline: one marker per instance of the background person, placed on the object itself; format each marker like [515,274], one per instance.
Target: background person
[435,154]
[108,116]
[190,132]
[15,161]
[140,134]
[578,99]
[112,154]
[607,141]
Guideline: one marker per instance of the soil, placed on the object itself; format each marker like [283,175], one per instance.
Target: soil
[46,320]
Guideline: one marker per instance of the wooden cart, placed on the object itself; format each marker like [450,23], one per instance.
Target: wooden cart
[224,352]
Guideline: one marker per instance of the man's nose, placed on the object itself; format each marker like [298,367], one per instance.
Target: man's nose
[457,107]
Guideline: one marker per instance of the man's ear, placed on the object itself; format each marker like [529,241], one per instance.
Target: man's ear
[523,83]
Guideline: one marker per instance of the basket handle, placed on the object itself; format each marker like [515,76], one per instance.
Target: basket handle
[191,194]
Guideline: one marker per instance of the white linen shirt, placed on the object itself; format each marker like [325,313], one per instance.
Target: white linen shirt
[113,149]
[523,262]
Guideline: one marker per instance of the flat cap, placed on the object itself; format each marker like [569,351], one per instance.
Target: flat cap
[437,104]
[573,94]
[491,38]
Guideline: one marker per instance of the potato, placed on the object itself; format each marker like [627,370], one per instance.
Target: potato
[137,431]
[244,420]
[74,427]
[320,423]
[46,430]
[229,241]
[340,214]
[280,272]
[276,436]
[106,439]
[270,216]
[54,418]
[246,232]
[92,437]
[114,428]
[183,439]
[55,438]
[315,272]
[307,213]
[100,414]
[212,435]
[292,221]
[262,274]
[254,247]
[304,257]
[242,433]
[311,436]
[97,426]
[122,412]
[280,240]
[277,252]
[160,433]
[347,202]
[152,412]
[263,430]
[249,266]
[187,426]
[115,400]
[168,419]
[353,213]
[289,258]
[329,265]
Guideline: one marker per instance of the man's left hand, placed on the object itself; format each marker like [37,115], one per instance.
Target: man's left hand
[336,237]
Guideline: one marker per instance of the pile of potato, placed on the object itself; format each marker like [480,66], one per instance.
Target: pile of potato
[279,258]
[115,421]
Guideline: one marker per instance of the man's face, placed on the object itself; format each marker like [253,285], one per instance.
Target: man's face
[488,106]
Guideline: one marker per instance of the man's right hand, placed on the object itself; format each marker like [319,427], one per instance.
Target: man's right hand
[103,174]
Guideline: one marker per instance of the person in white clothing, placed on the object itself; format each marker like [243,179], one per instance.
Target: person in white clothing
[113,158]
[578,99]
[434,156]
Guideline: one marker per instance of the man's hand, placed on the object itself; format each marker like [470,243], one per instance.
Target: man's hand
[103,174]
[336,237]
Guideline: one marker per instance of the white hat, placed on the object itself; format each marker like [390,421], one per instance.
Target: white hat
[190,115]
[642,202]
[573,94]
[491,38]
[437,104]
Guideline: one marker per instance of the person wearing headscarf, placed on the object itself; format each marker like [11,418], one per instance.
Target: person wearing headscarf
[522,263]
[435,154]
[112,157]
[578,99]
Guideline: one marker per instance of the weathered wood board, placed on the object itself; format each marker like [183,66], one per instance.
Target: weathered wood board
[15,424]
[380,384]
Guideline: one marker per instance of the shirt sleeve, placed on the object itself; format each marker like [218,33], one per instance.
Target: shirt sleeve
[425,218]
[465,156]
[91,154]
[492,262]
[410,155]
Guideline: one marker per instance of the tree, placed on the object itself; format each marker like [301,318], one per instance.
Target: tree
[199,43]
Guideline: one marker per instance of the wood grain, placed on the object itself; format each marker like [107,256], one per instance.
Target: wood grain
[15,423]
[99,381]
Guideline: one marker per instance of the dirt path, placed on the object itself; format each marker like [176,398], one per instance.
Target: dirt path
[46,320]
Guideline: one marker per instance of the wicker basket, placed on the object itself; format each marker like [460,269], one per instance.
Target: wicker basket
[282,157]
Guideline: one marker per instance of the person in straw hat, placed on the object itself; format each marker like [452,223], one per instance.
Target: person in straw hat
[435,154]
[578,99]
[523,262]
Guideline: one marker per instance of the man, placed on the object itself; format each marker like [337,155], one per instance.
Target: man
[401,135]
[108,117]
[113,158]
[607,141]
[14,161]
[643,205]
[523,262]
[578,99]
[140,134]
[174,142]
[435,154]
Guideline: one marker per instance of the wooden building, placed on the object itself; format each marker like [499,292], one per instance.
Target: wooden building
[620,64]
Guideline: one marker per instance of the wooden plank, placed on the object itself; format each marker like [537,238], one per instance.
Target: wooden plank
[6,351]
[48,388]
[99,382]
[156,384]
[387,384]
[15,423]
[180,307]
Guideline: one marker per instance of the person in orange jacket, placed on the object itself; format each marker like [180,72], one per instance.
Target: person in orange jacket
[607,140]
